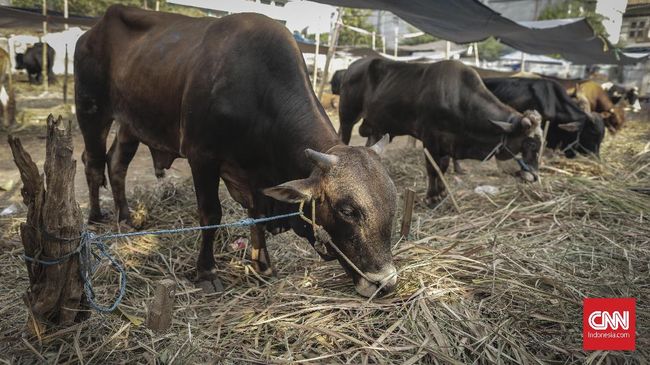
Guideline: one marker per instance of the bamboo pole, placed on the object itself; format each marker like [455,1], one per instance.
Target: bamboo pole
[315,78]
[44,44]
[330,52]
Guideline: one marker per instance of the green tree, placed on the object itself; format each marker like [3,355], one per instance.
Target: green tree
[356,18]
[490,49]
[576,9]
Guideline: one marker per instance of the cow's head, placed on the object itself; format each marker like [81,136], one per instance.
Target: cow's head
[20,61]
[614,118]
[524,137]
[590,133]
[355,204]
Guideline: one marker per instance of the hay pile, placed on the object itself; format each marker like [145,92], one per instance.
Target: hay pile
[501,282]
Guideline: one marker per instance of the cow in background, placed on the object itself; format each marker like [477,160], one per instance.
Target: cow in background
[443,104]
[620,93]
[32,62]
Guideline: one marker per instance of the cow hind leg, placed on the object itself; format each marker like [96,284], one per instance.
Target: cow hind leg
[458,169]
[206,183]
[94,129]
[120,156]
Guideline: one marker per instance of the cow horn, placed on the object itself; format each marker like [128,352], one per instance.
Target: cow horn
[505,126]
[324,161]
[381,144]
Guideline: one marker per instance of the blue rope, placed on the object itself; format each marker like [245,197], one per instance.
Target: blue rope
[88,239]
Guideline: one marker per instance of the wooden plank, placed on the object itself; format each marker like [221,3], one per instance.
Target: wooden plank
[407,216]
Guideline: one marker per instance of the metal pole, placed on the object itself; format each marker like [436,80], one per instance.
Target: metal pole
[44,44]
[476,59]
[523,62]
[316,61]
[330,52]
[396,40]
[448,50]
[373,40]
[383,44]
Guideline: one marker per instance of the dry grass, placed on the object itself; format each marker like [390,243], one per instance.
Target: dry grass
[502,282]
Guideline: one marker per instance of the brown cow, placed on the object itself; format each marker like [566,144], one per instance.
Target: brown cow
[232,96]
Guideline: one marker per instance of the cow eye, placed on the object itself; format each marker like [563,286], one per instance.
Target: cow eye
[348,211]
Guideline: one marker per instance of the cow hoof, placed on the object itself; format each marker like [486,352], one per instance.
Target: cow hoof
[95,218]
[209,282]
[433,201]
[210,286]
[263,270]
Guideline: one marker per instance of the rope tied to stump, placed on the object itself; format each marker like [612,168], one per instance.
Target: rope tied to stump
[89,259]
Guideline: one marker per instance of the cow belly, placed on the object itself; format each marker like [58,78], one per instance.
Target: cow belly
[237,182]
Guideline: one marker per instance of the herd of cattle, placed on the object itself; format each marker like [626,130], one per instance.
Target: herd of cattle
[233,97]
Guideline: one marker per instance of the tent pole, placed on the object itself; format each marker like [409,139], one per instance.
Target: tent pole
[523,62]
[157,5]
[44,44]
[383,44]
[448,50]
[65,77]
[330,52]
[476,59]
[316,61]
[65,13]
[396,39]
[373,40]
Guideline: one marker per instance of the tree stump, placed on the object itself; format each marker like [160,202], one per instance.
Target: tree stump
[53,229]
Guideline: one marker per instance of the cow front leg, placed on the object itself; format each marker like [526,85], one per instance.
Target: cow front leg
[436,189]
[259,254]
[206,183]
[458,169]
[120,156]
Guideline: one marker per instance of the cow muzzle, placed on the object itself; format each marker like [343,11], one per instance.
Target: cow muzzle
[379,284]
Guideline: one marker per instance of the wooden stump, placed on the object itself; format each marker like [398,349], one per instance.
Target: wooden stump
[407,215]
[53,229]
[159,317]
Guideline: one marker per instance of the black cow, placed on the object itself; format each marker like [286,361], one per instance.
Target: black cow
[569,125]
[186,87]
[337,78]
[32,62]
[443,104]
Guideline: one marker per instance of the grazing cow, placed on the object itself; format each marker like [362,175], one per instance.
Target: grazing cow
[337,78]
[231,95]
[32,62]
[599,101]
[443,104]
[570,126]
[619,93]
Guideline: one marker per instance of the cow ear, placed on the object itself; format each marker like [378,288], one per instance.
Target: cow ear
[505,126]
[294,191]
[570,127]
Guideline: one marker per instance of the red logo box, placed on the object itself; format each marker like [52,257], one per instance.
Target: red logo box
[609,324]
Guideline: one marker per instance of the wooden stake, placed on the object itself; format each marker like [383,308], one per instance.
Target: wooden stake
[160,310]
[52,230]
[442,178]
[409,198]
